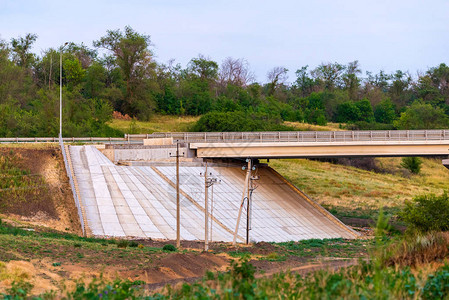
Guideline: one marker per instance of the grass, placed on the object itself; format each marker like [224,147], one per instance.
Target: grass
[340,248]
[158,123]
[352,192]
[20,190]
[312,127]
[67,248]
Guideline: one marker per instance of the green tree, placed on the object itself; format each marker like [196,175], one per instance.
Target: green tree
[304,83]
[365,109]
[422,116]
[21,50]
[384,112]
[329,75]
[348,112]
[132,55]
[351,79]
[73,72]
[94,81]
[203,68]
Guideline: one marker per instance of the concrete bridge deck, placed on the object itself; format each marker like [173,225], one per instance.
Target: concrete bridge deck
[303,144]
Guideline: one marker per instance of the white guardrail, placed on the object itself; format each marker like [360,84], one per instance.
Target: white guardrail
[110,140]
[298,136]
[265,136]
[72,185]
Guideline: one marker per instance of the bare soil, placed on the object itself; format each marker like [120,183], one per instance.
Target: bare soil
[52,205]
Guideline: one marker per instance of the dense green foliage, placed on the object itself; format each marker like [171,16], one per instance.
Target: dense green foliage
[237,121]
[427,213]
[413,164]
[128,79]
[437,286]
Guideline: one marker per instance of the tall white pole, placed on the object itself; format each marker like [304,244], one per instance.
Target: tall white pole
[60,93]
[60,90]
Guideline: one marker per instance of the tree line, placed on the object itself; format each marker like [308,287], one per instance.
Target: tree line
[120,73]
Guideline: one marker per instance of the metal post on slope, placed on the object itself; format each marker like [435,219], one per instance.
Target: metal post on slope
[211,212]
[242,202]
[178,209]
[208,182]
[206,212]
[248,200]
[178,206]
[251,188]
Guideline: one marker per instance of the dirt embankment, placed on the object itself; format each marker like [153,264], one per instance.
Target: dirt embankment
[36,188]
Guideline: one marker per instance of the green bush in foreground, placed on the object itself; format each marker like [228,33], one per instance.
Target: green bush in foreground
[427,213]
[413,164]
[169,247]
[437,285]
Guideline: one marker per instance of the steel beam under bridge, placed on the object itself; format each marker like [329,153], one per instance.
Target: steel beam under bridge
[321,149]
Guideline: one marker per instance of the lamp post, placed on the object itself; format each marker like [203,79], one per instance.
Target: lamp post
[60,90]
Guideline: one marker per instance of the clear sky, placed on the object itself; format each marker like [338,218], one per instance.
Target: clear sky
[385,35]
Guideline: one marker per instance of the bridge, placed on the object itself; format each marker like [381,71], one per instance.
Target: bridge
[308,144]
[128,187]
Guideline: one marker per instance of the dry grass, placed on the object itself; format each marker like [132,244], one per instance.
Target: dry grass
[348,191]
[158,123]
[311,127]
[419,250]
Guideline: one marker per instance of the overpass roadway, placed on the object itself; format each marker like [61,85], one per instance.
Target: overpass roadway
[320,149]
[302,144]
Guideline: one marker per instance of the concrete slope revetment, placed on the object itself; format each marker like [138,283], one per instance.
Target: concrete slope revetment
[140,201]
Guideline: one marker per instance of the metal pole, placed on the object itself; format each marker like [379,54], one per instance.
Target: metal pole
[178,210]
[247,201]
[211,212]
[206,212]
[248,172]
[60,93]
[60,89]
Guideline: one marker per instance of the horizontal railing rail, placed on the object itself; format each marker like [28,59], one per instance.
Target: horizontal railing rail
[298,136]
[264,136]
[110,140]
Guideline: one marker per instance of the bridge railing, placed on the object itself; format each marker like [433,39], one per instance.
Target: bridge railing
[299,136]
[66,140]
[266,136]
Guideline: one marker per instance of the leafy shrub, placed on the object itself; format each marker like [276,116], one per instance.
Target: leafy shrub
[437,285]
[413,164]
[133,244]
[427,213]
[19,290]
[169,247]
[98,289]
[122,244]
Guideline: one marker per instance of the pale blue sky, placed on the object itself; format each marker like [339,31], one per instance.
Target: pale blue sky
[408,35]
